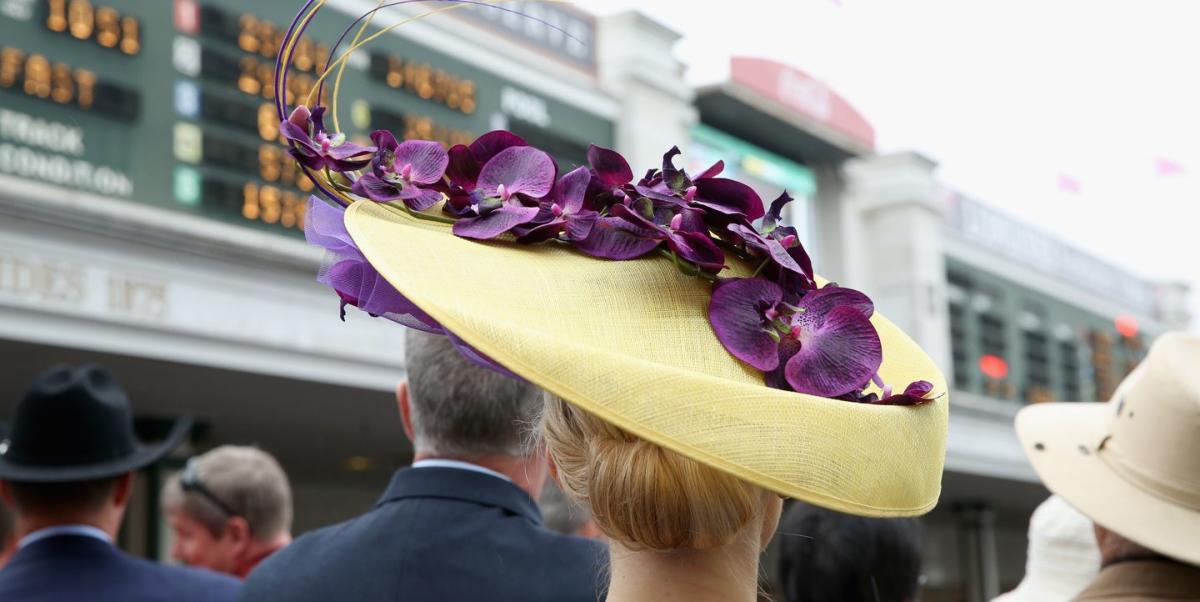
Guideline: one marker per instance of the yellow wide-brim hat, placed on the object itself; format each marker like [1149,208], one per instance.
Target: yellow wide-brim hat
[630,342]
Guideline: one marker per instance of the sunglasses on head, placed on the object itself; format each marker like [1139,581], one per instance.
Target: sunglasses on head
[190,481]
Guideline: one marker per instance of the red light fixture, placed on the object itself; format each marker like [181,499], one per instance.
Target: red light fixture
[1126,325]
[993,366]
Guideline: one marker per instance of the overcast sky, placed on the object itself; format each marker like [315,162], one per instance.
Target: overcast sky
[1009,97]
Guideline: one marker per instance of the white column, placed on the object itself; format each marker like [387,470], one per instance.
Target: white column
[638,67]
[893,237]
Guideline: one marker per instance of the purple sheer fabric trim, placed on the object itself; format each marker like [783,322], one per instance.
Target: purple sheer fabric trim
[356,281]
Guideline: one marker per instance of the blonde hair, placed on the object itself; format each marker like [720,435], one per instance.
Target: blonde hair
[640,494]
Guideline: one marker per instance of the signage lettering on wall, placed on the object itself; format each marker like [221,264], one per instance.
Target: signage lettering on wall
[39,282]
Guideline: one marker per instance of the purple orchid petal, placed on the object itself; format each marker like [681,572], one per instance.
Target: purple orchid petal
[495,223]
[463,169]
[766,246]
[307,157]
[295,133]
[729,196]
[777,378]
[635,218]
[490,144]
[618,239]
[579,226]
[318,120]
[520,169]
[542,232]
[572,188]
[736,313]
[375,188]
[775,213]
[350,150]
[839,352]
[698,248]
[713,171]
[658,192]
[420,199]
[609,166]
[673,178]
[823,300]
[914,394]
[300,118]
[384,141]
[428,160]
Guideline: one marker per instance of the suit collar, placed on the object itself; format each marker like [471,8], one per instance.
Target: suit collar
[464,485]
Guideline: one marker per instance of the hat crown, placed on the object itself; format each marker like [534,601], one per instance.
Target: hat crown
[1154,425]
[71,416]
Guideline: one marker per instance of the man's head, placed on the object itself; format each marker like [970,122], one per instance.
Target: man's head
[564,515]
[827,556]
[97,502]
[1115,547]
[453,408]
[228,509]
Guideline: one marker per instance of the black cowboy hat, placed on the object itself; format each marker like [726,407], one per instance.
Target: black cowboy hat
[75,424]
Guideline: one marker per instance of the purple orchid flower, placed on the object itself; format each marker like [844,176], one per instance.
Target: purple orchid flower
[723,200]
[914,394]
[466,161]
[496,203]
[315,149]
[562,211]
[404,171]
[824,345]
[351,276]
[690,244]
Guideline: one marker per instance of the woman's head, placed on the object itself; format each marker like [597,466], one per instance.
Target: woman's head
[647,497]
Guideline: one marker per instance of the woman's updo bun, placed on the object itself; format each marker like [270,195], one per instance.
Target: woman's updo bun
[642,495]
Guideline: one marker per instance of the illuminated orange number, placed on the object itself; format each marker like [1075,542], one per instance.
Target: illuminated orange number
[250,205]
[108,27]
[37,76]
[85,82]
[266,80]
[302,182]
[269,199]
[11,61]
[303,54]
[268,39]
[292,206]
[248,33]
[57,19]
[131,36]
[268,123]
[248,77]
[62,83]
[268,162]
[80,18]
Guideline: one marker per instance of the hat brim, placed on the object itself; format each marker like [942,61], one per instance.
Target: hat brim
[630,342]
[143,455]
[1060,440]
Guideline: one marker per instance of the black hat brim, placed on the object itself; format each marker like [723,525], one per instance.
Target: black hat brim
[143,455]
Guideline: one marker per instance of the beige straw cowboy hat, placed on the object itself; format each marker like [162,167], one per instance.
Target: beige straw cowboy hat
[1132,465]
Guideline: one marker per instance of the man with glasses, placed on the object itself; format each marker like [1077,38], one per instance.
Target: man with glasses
[229,509]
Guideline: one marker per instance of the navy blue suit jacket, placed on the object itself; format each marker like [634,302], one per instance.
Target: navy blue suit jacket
[437,534]
[64,568]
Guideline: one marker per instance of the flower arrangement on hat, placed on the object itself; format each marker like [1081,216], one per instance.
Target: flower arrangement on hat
[804,337]
[676,307]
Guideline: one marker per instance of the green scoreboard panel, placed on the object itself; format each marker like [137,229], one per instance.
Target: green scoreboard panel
[170,103]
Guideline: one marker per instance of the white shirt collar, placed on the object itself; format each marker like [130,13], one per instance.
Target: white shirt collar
[55,531]
[442,463]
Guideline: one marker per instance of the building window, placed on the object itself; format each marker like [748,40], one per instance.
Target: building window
[1068,366]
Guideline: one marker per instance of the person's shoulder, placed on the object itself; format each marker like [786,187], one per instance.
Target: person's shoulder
[188,583]
[279,572]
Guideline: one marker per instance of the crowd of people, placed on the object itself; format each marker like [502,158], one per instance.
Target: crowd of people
[615,517]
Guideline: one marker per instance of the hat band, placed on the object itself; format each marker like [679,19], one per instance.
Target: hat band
[1169,492]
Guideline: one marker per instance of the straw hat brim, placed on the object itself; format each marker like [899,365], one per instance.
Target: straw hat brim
[1060,440]
[630,342]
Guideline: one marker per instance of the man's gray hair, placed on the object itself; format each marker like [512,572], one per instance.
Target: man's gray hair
[460,409]
[247,480]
